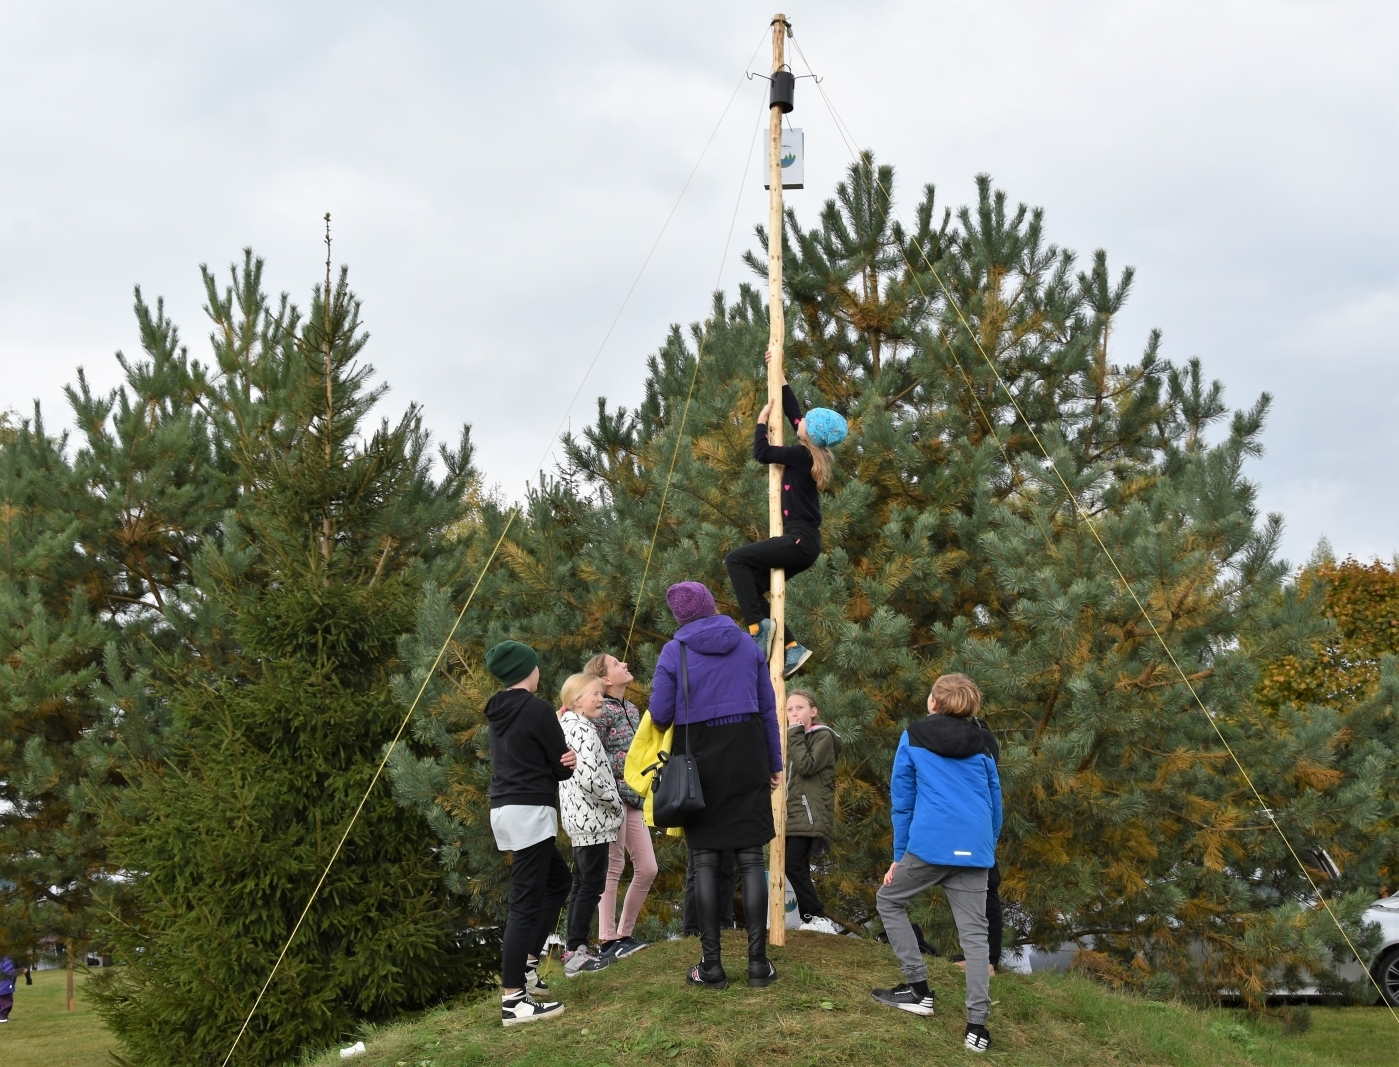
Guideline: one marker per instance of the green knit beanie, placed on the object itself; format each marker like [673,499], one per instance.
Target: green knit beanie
[511,662]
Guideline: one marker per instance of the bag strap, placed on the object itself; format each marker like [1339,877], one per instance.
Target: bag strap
[685,686]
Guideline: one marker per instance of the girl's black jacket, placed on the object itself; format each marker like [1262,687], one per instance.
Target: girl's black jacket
[801,500]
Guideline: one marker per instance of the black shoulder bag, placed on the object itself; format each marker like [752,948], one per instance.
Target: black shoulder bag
[675,791]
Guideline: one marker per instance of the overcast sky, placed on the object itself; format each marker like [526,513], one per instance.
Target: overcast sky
[496,174]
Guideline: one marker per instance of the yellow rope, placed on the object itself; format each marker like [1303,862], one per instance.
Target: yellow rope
[513,514]
[1092,528]
[694,375]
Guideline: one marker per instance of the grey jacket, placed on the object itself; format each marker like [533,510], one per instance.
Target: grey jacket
[811,781]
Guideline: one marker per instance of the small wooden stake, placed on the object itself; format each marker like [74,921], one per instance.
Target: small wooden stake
[777,334]
[68,956]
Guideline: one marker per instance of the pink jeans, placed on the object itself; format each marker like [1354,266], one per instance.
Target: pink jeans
[634,839]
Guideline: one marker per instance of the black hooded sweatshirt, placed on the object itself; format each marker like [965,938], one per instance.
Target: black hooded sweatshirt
[953,737]
[526,743]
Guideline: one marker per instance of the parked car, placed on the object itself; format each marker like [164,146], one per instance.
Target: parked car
[1384,968]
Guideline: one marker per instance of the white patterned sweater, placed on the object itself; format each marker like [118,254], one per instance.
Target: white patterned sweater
[589,805]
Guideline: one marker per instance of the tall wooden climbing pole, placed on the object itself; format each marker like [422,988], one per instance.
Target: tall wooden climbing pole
[777,332]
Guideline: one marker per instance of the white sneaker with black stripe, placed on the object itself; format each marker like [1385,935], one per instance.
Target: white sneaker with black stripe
[523,1008]
[977,1039]
[583,961]
[904,997]
[534,985]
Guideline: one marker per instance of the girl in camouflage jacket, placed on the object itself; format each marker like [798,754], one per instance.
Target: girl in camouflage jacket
[617,725]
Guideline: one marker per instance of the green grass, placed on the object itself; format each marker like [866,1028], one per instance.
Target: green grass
[1358,1037]
[41,1032]
[640,1012]
[820,1012]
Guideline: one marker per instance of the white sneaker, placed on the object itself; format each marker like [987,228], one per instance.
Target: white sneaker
[819,924]
[534,985]
[582,961]
[522,1008]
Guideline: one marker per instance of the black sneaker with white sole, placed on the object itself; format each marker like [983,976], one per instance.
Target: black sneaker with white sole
[628,946]
[904,998]
[977,1039]
[523,1008]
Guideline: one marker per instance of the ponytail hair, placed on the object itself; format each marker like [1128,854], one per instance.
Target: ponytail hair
[822,462]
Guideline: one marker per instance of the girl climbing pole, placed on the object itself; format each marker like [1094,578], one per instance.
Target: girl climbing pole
[807,468]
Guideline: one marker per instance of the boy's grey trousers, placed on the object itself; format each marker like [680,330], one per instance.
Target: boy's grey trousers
[966,893]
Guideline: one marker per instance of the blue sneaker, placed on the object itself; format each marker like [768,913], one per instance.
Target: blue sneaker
[764,638]
[795,657]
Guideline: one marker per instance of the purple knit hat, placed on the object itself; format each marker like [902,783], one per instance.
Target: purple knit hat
[690,601]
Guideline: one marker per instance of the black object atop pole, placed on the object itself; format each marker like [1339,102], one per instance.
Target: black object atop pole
[784,86]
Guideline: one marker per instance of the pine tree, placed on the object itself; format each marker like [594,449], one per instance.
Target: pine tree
[97,547]
[1342,665]
[950,544]
[280,705]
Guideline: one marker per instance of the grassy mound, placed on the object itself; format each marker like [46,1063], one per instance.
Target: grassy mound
[820,1012]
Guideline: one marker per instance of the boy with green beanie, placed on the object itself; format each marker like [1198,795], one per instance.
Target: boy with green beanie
[529,757]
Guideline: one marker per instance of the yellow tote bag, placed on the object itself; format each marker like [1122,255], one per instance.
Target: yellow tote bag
[645,750]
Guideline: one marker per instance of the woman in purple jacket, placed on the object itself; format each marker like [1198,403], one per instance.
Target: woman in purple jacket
[728,723]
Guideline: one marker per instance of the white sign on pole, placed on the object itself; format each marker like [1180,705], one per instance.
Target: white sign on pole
[793,148]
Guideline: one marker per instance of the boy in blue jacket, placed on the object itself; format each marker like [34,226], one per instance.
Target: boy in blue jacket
[946,798]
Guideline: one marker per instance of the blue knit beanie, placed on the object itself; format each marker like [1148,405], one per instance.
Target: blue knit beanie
[825,427]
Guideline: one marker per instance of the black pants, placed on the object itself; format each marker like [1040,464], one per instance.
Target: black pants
[589,879]
[750,568]
[690,922]
[539,883]
[798,867]
[749,862]
[993,913]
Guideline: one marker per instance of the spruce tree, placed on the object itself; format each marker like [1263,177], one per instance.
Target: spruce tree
[280,705]
[951,544]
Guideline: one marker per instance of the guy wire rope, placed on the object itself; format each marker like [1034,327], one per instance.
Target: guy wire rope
[1092,529]
[513,514]
[689,394]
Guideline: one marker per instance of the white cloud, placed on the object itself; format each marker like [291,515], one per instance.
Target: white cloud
[497,174]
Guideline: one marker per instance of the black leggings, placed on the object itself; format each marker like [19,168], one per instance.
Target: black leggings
[690,923]
[749,862]
[798,867]
[994,917]
[589,880]
[750,568]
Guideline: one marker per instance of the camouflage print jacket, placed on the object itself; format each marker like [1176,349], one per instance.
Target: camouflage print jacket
[617,725]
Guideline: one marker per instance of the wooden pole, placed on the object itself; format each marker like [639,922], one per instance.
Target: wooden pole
[777,333]
[68,957]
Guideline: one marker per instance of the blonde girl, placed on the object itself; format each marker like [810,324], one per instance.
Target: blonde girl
[591,812]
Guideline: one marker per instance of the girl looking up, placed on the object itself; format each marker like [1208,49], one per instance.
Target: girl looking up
[806,470]
[617,725]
